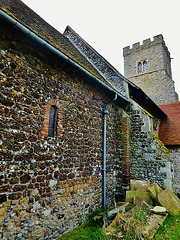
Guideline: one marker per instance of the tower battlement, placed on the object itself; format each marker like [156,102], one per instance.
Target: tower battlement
[146,43]
[148,65]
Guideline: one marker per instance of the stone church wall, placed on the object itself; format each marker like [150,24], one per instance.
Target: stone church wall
[149,159]
[48,185]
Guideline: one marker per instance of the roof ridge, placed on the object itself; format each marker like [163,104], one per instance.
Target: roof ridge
[168,103]
[94,50]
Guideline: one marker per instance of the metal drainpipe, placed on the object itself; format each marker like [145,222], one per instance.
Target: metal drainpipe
[105,112]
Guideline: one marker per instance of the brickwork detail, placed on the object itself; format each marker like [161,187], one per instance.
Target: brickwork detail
[45,124]
[123,162]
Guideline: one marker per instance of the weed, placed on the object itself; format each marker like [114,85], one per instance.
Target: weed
[140,216]
[131,227]
[123,228]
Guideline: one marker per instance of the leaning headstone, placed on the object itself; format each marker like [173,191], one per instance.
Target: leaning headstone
[154,190]
[170,201]
[136,197]
[139,185]
[154,222]
[145,197]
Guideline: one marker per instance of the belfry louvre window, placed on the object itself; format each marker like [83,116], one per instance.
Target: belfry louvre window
[139,67]
[145,66]
[52,121]
[142,66]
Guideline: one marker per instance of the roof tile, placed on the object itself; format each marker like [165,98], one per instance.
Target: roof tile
[169,128]
[27,17]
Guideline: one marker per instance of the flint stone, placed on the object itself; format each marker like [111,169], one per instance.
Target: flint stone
[47,213]
[34,192]
[31,224]
[19,236]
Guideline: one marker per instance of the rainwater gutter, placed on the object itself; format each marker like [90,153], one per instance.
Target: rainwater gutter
[105,112]
[35,37]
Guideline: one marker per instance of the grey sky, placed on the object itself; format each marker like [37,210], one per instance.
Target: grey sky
[108,26]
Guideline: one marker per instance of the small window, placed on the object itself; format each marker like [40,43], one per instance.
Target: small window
[139,67]
[145,66]
[52,121]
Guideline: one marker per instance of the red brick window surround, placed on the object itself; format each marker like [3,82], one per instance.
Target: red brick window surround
[52,124]
[52,121]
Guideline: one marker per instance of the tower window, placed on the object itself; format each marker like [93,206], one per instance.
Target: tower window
[52,121]
[139,67]
[142,66]
[145,66]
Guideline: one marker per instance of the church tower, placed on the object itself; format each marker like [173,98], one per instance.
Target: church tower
[149,67]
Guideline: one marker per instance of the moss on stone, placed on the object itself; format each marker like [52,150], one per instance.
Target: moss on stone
[151,116]
[163,147]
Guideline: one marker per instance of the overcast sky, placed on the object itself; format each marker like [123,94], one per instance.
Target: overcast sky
[110,25]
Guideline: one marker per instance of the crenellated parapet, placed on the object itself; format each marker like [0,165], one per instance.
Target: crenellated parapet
[158,39]
[148,65]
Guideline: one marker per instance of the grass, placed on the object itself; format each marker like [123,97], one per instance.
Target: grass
[141,216]
[170,229]
[92,230]
[129,227]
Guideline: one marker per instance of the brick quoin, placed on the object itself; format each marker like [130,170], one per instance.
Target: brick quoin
[125,157]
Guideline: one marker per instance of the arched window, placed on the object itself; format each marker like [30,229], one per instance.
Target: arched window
[52,121]
[139,67]
[145,66]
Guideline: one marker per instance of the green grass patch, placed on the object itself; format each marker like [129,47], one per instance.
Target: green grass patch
[92,230]
[170,229]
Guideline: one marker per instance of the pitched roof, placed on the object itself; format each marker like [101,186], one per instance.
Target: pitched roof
[28,18]
[169,128]
[112,75]
[98,61]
